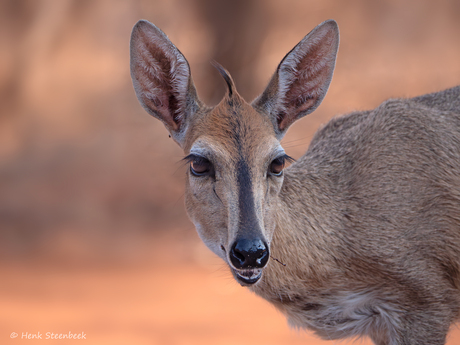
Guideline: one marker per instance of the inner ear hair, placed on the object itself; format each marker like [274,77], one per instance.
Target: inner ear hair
[161,78]
[302,78]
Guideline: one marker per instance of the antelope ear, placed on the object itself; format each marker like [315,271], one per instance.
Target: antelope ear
[301,79]
[161,79]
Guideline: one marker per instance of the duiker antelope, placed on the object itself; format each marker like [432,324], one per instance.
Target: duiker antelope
[364,229]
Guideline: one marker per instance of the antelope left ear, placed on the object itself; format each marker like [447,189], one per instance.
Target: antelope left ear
[301,79]
[161,79]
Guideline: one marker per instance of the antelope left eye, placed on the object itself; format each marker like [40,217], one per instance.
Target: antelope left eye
[277,166]
[200,166]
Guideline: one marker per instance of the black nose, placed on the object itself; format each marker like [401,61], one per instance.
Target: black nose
[249,253]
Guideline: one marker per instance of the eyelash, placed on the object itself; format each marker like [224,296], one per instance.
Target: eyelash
[279,161]
[206,165]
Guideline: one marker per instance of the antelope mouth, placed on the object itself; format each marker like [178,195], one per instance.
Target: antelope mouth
[248,276]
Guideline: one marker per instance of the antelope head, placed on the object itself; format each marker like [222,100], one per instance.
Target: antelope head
[236,160]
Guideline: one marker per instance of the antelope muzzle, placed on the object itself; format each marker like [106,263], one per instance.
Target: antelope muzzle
[248,257]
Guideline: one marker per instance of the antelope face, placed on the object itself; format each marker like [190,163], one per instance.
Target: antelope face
[235,175]
[236,160]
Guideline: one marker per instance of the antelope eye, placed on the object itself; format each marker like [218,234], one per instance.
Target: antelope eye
[200,166]
[277,166]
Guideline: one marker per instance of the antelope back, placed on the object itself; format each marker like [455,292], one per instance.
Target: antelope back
[236,160]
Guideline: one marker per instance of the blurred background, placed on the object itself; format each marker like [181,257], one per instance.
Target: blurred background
[93,233]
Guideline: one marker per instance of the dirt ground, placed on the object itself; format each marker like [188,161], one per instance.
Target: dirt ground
[170,297]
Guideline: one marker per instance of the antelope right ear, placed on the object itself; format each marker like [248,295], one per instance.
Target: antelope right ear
[301,79]
[161,79]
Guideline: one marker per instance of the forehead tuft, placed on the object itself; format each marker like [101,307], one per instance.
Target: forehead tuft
[235,125]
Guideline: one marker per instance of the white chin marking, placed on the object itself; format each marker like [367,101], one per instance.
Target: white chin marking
[248,276]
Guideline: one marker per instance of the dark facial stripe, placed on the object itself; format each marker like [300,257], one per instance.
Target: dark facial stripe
[247,213]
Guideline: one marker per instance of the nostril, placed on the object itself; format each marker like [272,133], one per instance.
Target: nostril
[262,260]
[238,256]
[246,253]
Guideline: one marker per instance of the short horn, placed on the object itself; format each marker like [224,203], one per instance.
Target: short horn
[224,73]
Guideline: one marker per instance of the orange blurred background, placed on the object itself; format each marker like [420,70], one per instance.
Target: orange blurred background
[93,232]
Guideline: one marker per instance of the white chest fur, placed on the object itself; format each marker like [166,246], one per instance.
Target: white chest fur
[345,314]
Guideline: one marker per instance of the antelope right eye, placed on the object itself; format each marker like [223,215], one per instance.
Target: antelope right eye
[277,166]
[200,166]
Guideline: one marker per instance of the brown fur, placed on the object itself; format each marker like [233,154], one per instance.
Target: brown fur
[365,227]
